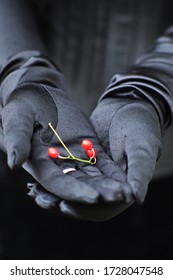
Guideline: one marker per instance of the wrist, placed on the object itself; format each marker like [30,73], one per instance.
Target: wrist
[28,67]
[142,88]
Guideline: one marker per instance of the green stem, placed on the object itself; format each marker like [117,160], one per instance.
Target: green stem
[84,160]
[65,147]
[61,157]
[71,157]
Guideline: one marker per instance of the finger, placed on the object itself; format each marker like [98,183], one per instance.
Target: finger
[141,161]
[50,175]
[94,213]
[143,150]
[17,132]
[2,146]
[109,189]
[135,141]
[20,115]
[42,197]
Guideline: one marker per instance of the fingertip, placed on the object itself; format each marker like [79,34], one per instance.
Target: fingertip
[18,155]
[139,191]
[64,208]
[46,201]
[11,160]
[110,191]
[116,192]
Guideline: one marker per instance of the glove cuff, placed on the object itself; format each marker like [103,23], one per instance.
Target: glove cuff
[26,67]
[143,88]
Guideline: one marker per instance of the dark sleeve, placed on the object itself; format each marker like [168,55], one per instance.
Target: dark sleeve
[19,28]
[23,57]
[150,78]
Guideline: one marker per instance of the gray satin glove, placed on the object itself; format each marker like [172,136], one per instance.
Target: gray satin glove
[130,132]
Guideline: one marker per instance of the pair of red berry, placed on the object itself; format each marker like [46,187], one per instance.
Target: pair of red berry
[86,145]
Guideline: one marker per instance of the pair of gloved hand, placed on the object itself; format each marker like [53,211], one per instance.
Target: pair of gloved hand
[124,128]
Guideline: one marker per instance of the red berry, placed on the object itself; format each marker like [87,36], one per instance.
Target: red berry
[94,153]
[91,153]
[86,144]
[53,152]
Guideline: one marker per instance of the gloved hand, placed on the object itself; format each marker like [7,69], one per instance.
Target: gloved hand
[134,112]
[130,131]
[97,212]
[33,94]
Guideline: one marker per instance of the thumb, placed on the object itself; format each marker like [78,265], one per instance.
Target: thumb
[141,166]
[135,139]
[17,126]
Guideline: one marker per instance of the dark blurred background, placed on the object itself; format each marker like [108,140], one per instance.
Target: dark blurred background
[91,41]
